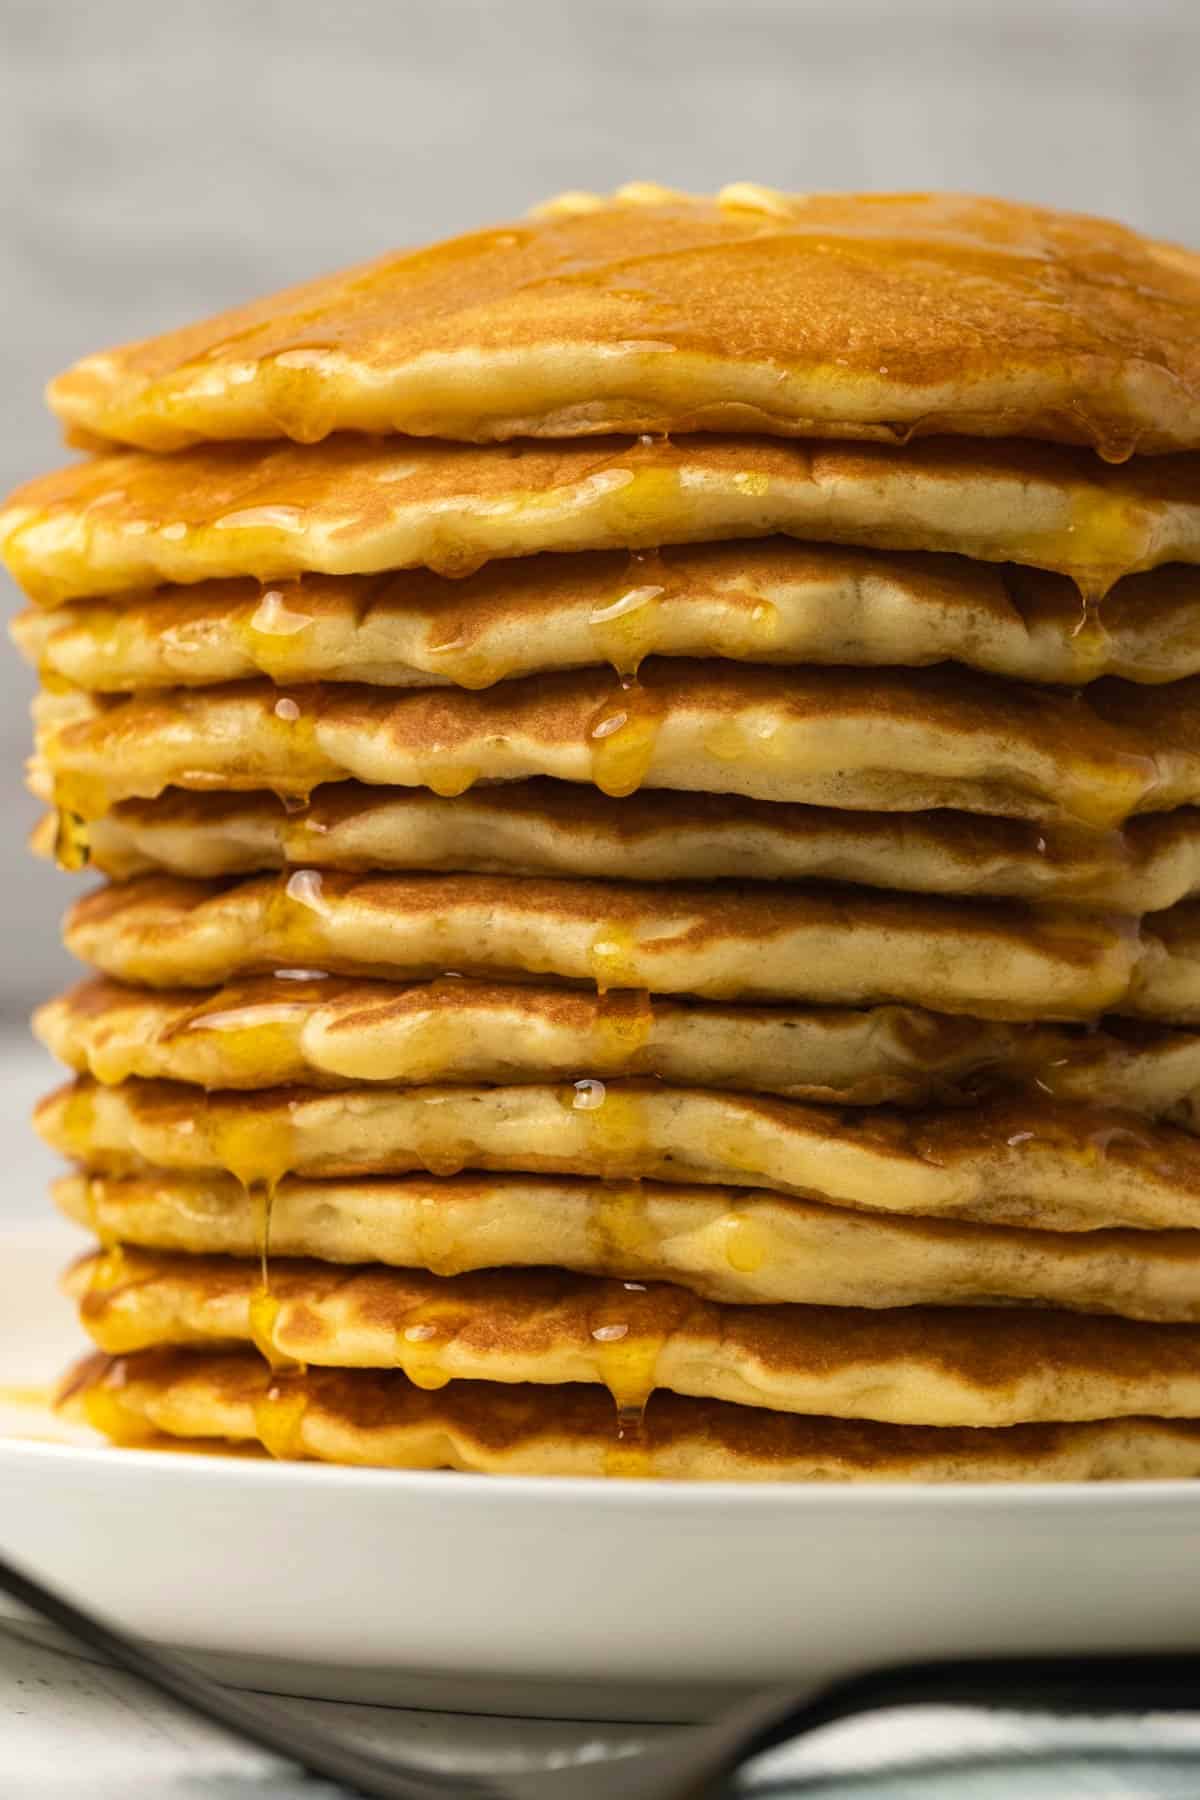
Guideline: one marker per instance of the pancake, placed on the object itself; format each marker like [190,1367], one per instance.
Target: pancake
[1023,1161]
[894,741]
[1167,981]
[379,1419]
[771,601]
[271,1032]
[734,1245]
[864,315]
[975,1366]
[731,941]
[554,828]
[129,520]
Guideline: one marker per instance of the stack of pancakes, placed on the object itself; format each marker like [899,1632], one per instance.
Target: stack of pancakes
[648,769]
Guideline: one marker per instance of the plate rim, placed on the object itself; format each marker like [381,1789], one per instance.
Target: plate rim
[454,1487]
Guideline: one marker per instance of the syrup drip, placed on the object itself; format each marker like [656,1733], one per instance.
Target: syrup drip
[625,629]
[258,1152]
[279,1416]
[109,1415]
[462,665]
[421,1343]
[623,734]
[72,847]
[613,958]
[623,1022]
[294,925]
[79,795]
[449,780]
[273,637]
[747,1245]
[94,1200]
[627,1363]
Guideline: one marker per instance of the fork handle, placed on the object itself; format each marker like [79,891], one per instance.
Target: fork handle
[1101,1686]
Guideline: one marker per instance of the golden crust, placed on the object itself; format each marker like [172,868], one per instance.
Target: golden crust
[975,1366]
[767,601]
[270,1032]
[900,740]
[729,1244]
[379,1419]
[542,827]
[1022,1160]
[723,941]
[354,505]
[859,315]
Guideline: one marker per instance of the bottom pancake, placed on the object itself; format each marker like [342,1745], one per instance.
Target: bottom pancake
[381,1420]
[905,1366]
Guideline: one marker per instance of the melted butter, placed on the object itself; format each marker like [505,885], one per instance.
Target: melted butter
[623,736]
[447,779]
[279,1417]
[613,958]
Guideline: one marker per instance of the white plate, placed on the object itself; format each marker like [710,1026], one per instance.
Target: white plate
[585,1598]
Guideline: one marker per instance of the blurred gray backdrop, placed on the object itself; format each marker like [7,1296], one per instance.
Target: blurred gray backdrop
[161,160]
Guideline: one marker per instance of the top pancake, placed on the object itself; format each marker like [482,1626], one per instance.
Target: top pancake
[835,315]
[357,506]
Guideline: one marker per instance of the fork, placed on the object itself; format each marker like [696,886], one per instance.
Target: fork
[691,1765]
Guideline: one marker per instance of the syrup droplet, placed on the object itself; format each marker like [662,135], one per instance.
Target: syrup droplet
[589,1095]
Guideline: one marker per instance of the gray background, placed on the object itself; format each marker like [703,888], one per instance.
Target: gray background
[161,160]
